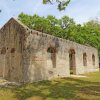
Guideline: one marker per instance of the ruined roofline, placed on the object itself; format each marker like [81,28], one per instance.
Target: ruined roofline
[57,38]
[28,30]
[52,36]
[13,19]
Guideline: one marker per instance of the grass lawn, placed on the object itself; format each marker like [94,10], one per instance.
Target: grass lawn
[58,89]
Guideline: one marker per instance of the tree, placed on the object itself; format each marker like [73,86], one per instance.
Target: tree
[66,28]
[52,20]
[93,27]
[66,22]
[62,4]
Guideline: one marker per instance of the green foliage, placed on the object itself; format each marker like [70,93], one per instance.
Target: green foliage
[65,22]
[62,4]
[88,34]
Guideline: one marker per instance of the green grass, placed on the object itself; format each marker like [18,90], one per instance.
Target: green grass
[58,89]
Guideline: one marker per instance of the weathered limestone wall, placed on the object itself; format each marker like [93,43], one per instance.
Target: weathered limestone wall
[40,68]
[11,40]
[79,51]
[1,57]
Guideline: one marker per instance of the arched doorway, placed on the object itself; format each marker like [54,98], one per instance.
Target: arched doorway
[93,60]
[2,62]
[72,61]
[51,57]
[84,59]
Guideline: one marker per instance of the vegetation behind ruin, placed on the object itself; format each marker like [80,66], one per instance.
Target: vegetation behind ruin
[66,28]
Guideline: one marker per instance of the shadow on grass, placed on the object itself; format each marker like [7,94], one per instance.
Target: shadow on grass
[61,89]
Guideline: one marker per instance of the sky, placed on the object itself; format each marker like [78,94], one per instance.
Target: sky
[80,10]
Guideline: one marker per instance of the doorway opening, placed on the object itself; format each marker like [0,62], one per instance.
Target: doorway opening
[51,59]
[84,59]
[72,61]
[93,59]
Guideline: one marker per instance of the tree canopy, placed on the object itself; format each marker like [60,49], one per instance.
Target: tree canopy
[62,4]
[65,27]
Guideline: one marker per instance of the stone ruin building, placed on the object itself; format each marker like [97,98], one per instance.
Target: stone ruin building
[27,55]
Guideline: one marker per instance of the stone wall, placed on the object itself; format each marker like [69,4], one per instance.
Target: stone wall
[11,48]
[39,66]
[27,55]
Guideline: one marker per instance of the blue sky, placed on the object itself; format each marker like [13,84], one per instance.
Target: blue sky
[80,10]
